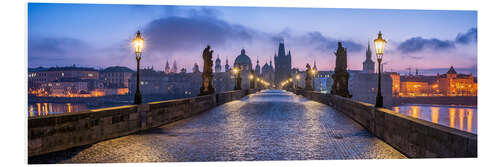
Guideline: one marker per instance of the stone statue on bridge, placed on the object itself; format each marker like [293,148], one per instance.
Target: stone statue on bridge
[207,76]
[308,77]
[341,76]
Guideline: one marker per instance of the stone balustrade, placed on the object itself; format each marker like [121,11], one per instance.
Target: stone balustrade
[52,133]
[411,136]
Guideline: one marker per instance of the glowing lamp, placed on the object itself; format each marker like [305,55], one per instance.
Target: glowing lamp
[379,45]
[138,43]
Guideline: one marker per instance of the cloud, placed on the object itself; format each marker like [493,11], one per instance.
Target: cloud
[417,44]
[176,33]
[55,49]
[468,37]
[328,44]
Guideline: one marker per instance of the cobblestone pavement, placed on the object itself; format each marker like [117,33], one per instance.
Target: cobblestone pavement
[270,125]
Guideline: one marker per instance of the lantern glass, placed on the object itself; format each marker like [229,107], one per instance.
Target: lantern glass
[138,43]
[379,45]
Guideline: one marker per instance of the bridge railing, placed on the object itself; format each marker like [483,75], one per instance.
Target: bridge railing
[411,136]
[53,133]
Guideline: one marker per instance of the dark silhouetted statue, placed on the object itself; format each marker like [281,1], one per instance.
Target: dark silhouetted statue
[308,77]
[341,76]
[207,76]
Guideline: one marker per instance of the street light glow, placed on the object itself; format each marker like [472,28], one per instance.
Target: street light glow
[138,43]
[379,45]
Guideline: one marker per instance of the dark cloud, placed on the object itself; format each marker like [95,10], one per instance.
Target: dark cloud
[179,33]
[55,49]
[285,34]
[468,37]
[327,44]
[416,44]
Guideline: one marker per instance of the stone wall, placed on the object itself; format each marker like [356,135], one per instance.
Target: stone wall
[63,131]
[413,137]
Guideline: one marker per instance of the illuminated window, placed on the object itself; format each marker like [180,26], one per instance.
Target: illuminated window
[62,74]
[91,75]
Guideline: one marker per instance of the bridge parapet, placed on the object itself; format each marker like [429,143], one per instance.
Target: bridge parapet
[53,133]
[411,136]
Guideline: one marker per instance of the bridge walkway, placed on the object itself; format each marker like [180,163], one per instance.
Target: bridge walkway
[268,125]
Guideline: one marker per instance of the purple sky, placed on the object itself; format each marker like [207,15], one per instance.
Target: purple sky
[99,35]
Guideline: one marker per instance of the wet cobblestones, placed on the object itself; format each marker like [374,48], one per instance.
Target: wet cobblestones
[270,125]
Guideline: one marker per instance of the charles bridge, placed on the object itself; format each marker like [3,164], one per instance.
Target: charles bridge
[244,124]
[241,125]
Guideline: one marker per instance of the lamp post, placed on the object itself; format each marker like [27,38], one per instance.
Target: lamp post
[252,81]
[297,77]
[379,49]
[313,78]
[138,44]
[236,71]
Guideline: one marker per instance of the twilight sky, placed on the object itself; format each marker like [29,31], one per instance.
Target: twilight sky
[100,35]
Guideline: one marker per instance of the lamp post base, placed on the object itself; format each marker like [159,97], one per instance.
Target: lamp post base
[137,98]
[379,102]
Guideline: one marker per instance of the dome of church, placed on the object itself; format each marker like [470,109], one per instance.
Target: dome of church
[243,60]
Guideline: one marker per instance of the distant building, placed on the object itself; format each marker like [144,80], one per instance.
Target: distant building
[257,68]
[196,68]
[268,72]
[68,87]
[244,61]
[40,79]
[167,68]
[453,84]
[283,64]
[323,81]
[174,69]
[227,68]
[368,64]
[246,66]
[449,84]
[218,67]
[116,77]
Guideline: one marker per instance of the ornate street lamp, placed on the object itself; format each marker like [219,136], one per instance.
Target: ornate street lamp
[379,49]
[138,44]
[237,71]
[252,80]
[313,72]
[297,77]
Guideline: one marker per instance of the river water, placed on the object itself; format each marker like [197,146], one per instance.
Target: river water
[459,117]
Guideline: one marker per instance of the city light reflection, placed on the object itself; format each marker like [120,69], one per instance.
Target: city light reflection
[461,116]
[452,117]
[414,111]
[444,115]
[396,109]
[39,109]
[469,120]
[435,114]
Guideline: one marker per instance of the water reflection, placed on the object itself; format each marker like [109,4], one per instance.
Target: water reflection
[39,109]
[465,119]
[452,117]
[435,114]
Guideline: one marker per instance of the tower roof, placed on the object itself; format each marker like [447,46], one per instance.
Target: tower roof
[452,71]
